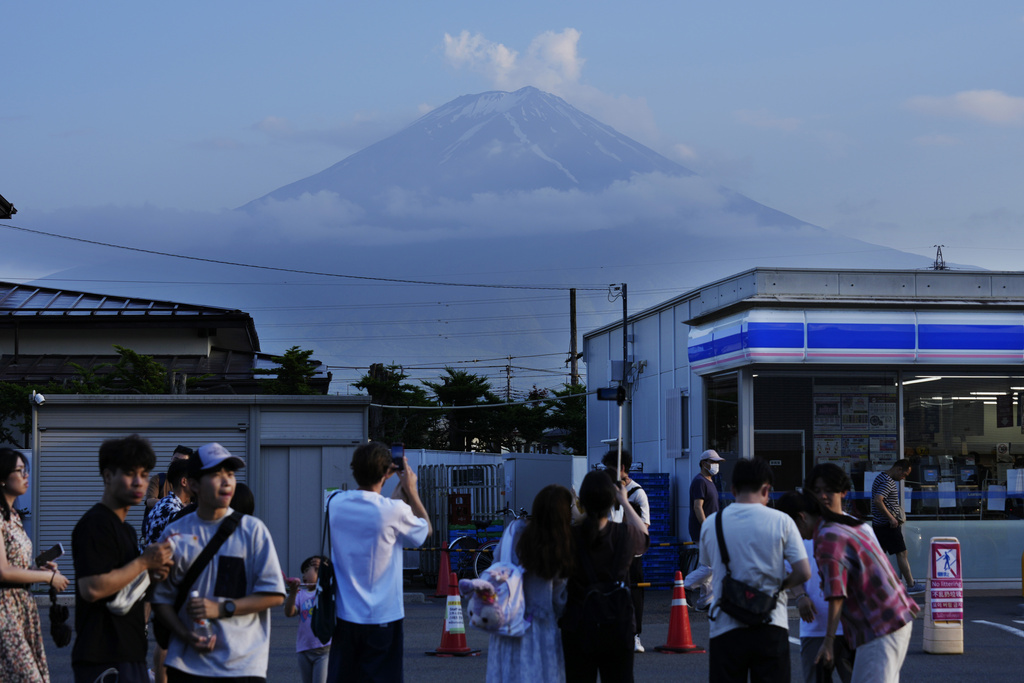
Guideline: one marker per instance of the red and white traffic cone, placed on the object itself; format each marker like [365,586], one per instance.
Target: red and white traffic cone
[442,575]
[453,633]
[680,641]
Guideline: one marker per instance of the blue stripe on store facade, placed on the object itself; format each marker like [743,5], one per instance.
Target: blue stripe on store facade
[971,337]
[858,336]
[764,335]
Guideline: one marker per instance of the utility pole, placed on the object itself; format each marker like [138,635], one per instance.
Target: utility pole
[940,263]
[574,356]
[508,381]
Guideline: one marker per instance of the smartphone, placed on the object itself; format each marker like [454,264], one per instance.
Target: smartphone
[49,555]
[397,455]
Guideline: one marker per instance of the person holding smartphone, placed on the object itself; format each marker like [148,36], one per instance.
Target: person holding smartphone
[21,649]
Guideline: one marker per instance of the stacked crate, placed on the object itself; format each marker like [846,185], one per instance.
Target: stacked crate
[660,562]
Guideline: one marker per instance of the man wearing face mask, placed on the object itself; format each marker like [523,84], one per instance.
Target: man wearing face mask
[703,502]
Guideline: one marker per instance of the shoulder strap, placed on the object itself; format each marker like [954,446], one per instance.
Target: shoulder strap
[226,528]
[325,538]
[721,542]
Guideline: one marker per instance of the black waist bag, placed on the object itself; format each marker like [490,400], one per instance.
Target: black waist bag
[740,601]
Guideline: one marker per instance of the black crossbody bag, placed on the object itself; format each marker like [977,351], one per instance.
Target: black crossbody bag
[324,617]
[741,601]
[161,632]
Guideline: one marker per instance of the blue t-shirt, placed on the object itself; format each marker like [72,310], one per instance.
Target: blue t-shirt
[701,488]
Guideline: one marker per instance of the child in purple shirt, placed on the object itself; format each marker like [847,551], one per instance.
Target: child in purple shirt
[312,654]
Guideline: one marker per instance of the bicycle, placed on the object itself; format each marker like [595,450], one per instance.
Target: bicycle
[474,554]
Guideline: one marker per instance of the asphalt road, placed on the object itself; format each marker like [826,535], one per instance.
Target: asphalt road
[993,633]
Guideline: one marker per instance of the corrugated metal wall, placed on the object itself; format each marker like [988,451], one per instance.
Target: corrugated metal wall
[293,447]
[67,465]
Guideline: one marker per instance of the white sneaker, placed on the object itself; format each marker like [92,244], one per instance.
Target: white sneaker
[637,645]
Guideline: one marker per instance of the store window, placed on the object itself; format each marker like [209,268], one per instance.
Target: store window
[722,416]
[964,436]
[802,418]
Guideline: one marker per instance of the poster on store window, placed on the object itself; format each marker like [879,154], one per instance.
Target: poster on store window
[826,413]
[856,413]
[827,447]
[882,413]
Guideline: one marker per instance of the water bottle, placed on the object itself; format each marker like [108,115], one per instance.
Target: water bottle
[201,627]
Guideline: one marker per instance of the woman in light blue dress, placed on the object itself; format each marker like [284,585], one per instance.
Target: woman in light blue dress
[543,547]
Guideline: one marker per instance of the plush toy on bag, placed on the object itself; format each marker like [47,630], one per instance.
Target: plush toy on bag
[496,602]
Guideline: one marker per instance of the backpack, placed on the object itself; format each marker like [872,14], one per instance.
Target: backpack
[636,506]
[602,620]
[496,602]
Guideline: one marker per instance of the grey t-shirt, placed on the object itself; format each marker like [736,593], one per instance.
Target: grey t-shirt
[246,563]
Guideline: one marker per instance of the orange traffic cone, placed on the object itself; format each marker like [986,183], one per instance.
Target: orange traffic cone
[453,633]
[679,638]
[442,575]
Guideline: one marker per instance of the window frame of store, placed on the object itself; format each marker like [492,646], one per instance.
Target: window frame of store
[955,387]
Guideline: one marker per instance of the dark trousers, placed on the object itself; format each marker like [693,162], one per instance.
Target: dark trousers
[761,651]
[177,676]
[127,672]
[636,575]
[366,653]
[582,664]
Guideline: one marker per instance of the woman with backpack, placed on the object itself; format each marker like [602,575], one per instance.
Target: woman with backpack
[543,547]
[598,625]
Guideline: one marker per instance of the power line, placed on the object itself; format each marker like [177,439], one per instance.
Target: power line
[365,278]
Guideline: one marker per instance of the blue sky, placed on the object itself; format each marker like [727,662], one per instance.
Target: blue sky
[897,123]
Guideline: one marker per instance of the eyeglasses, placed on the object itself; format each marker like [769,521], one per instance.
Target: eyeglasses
[818,492]
[23,471]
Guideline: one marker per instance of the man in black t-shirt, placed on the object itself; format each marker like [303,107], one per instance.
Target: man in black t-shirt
[106,560]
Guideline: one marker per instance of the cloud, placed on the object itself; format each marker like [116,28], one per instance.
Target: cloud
[762,119]
[683,152]
[551,63]
[989,106]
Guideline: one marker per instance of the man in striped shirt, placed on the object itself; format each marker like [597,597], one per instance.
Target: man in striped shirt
[887,518]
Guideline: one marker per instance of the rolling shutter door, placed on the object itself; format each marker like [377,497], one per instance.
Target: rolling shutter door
[67,465]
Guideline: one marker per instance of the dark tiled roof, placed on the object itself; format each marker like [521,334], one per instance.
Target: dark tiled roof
[44,306]
[25,300]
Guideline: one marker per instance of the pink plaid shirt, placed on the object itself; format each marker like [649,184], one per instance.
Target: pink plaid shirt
[854,567]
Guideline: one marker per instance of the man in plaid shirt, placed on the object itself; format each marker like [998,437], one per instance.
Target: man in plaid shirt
[861,588]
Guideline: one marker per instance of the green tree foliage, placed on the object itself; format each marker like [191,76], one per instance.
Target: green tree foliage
[483,422]
[464,429]
[386,386]
[570,416]
[15,413]
[139,374]
[294,372]
[519,426]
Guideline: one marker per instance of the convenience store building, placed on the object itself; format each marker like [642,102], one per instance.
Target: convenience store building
[856,367]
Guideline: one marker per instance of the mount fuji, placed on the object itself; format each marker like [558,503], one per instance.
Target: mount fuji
[515,197]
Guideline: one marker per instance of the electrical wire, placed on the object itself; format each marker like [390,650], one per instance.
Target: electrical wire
[279,269]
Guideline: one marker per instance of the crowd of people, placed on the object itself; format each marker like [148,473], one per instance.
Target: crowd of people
[208,572]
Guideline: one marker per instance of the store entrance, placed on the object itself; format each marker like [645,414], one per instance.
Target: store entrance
[785,450]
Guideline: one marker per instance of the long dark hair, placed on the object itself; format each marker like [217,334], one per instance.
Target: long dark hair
[9,461]
[597,495]
[795,502]
[545,546]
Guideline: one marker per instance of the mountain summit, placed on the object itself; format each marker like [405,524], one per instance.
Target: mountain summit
[490,142]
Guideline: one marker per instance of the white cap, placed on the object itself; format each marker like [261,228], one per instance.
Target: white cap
[711,455]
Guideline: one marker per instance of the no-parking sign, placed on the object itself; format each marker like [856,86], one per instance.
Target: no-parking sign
[946,592]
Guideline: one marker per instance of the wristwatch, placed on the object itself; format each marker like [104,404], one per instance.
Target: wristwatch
[229,609]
